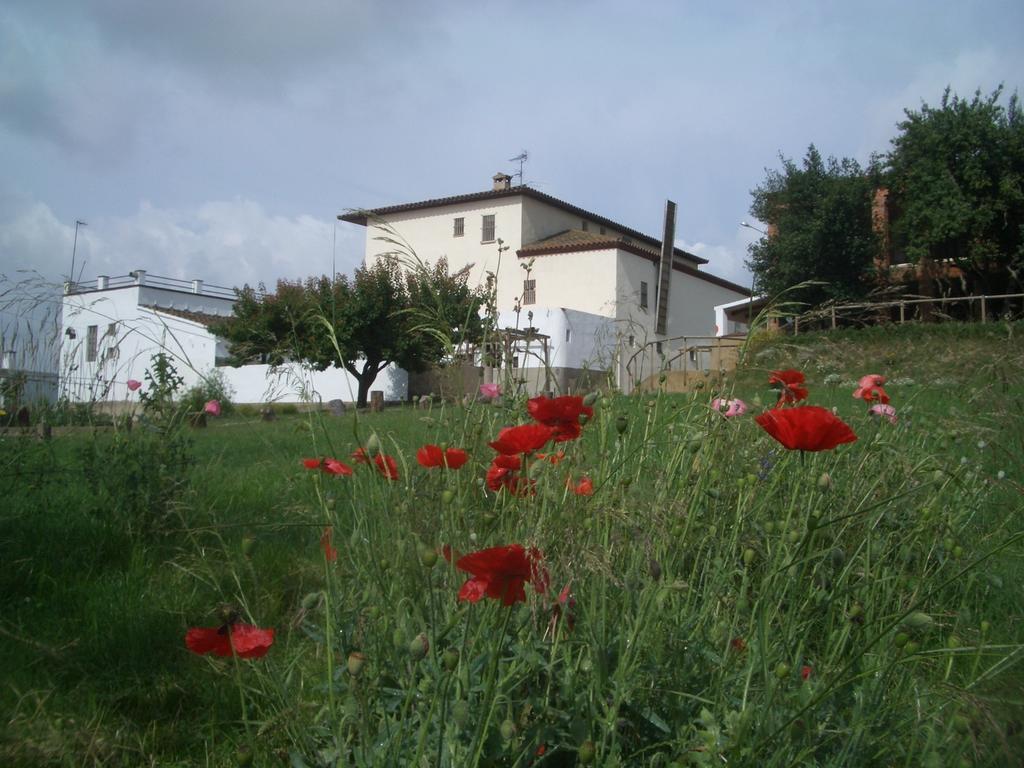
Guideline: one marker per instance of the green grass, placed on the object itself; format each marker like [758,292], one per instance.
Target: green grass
[707,569]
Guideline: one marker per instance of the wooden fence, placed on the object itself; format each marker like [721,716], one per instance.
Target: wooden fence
[912,309]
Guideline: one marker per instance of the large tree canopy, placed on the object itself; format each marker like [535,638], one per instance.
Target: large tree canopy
[819,214]
[957,180]
[382,315]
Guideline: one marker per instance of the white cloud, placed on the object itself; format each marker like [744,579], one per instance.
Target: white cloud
[724,260]
[225,242]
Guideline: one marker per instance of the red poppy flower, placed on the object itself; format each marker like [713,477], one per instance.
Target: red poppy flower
[328,465]
[501,573]
[522,439]
[738,644]
[807,428]
[433,456]
[386,465]
[805,672]
[790,384]
[585,487]
[504,473]
[247,641]
[325,544]
[360,456]
[562,413]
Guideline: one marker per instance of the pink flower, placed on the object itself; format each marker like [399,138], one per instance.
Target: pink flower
[729,408]
[212,407]
[883,410]
[490,391]
[133,384]
[870,388]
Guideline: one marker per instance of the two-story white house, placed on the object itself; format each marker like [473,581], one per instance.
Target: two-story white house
[587,283]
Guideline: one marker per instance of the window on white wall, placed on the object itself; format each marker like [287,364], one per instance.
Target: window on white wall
[487,229]
[643,295]
[92,339]
[459,228]
[585,225]
[568,334]
[529,291]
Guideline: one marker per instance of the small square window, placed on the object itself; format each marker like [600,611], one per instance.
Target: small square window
[602,230]
[585,225]
[459,228]
[487,229]
[643,295]
[632,341]
[658,347]
[529,291]
[568,334]
[91,343]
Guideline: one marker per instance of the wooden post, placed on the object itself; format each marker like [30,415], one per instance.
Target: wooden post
[796,325]
[902,307]
[833,317]
[983,315]
[376,400]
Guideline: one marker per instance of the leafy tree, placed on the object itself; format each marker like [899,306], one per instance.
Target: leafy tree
[957,180]
[820,226]
[382,315]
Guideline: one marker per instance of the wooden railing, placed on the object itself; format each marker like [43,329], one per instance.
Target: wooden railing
[909,309]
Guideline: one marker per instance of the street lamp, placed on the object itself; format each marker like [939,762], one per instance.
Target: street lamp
[751,226]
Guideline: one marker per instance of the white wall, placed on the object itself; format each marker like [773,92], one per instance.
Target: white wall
[429,233]
[128,337]
[584,281]
[295,383]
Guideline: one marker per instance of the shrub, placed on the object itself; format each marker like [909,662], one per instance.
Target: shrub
[211,387]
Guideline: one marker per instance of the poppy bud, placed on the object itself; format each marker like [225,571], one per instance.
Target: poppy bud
[912,647]
[961,724]
[248,544]
[985,627]
[838,557]
[428,557]
[621,424]
[586,752]
[356,662]
[460,713]
[900,639]
[419,646]
[918,622]
[373,445]
[243,756]
[782,670]
[825,481]
[310,600]
[447,496]
[450,660]
[591,398]
[748,556]
[508,730]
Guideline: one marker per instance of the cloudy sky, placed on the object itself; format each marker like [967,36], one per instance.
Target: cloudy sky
[219,140]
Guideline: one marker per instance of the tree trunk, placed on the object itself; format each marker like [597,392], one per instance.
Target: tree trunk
[365,377]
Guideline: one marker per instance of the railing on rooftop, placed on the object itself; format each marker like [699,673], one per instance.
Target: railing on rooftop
[143,278]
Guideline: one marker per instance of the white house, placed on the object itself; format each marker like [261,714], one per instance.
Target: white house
[113,326]
[587,283]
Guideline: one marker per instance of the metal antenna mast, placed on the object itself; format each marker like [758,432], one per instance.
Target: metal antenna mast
[74,248]
[521,158]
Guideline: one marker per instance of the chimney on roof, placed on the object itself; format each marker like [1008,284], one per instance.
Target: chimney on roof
[502,181]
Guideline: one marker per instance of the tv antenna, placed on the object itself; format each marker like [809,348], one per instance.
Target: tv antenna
[521,158]
[75,247]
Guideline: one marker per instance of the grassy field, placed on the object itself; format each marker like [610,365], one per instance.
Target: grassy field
[724,601]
